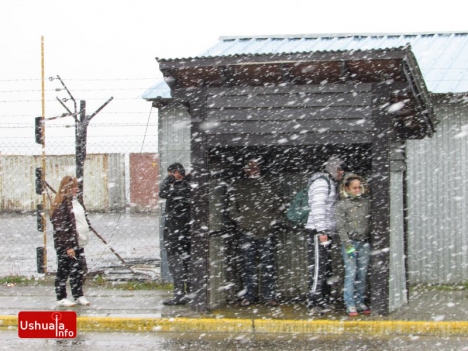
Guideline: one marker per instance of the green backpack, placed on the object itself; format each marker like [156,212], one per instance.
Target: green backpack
[298,211]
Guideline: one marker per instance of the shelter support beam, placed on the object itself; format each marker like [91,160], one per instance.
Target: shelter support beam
[200,204]
[380,201]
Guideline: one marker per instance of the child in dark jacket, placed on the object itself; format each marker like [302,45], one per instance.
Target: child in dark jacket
[353,226]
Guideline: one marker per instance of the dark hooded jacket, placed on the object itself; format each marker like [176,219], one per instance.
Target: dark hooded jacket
[177,213]
[256,206]
[353,214]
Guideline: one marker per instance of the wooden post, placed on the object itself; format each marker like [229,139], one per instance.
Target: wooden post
[200,203]
[380,201]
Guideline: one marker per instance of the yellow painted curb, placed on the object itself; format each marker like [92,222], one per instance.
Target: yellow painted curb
[223,325]
[443,328]
[8,322]
[266,326]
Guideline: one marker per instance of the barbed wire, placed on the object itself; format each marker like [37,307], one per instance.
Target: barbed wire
[101,113]
[87,99]
[90,136]
[54,90]
[95,125]
[77,79]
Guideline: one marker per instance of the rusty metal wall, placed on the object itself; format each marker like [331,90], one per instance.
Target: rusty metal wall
[144,182]
[437,200]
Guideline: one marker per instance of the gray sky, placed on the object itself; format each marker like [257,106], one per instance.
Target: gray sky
[104,48]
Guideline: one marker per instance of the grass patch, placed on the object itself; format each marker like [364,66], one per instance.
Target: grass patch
[21,280]
[97,281]
[145,285]
[128,285]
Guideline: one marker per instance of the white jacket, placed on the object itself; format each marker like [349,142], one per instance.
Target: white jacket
[322,201]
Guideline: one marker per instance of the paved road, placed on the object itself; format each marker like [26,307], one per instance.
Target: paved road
[135,237]
[199,342]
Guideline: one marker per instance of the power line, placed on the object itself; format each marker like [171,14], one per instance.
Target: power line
[146,130]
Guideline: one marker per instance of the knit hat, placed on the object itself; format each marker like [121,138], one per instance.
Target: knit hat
[176,167]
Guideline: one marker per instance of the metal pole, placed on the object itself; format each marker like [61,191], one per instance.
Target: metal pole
[43,159]
[113,251]
[80,126]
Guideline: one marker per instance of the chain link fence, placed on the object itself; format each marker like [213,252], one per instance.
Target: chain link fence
[120,193]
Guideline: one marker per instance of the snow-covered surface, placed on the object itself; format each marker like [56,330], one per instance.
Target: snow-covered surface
[442,57]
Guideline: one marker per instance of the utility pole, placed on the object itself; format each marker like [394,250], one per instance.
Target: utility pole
[81,133]
[42,252]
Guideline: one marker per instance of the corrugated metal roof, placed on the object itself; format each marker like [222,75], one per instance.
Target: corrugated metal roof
[442,57]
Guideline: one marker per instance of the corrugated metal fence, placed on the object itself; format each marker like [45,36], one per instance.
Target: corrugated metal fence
[437,184]
[104,185]
[126,220]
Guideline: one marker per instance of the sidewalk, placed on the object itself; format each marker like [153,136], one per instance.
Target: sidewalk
[433,312]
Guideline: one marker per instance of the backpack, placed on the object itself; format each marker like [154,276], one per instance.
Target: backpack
[298,211]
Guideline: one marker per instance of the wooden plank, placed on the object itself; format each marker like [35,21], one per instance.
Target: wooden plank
[256,127]
[289,100]
[288,139]
[285,114]
[290,89]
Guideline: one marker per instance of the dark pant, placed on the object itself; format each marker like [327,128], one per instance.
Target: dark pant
[68,267]
[178,267]
[259,250]
[319,270]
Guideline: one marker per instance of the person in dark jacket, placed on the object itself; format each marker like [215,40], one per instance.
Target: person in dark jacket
[353,225]
[255,206]
[176,190]
[71,234]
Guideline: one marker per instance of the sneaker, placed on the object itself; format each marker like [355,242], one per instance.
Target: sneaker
[245,303]
[272,303]
[363,309]
[65,303]
[175,301]
[352,311]
[83,301]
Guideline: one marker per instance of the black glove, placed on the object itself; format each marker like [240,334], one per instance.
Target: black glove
[171,179]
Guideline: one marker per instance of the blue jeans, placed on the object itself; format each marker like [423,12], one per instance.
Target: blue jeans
[262,251]
[355,273]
